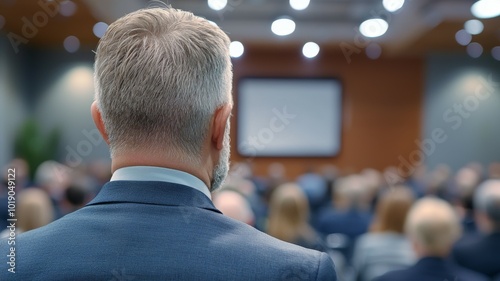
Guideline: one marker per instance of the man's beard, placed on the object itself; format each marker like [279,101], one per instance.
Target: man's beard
[221,170]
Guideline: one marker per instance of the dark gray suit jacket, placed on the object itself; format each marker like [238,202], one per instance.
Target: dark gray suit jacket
[136,230]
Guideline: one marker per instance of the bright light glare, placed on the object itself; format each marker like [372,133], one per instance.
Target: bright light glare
[393,5]
[485,9]
[373,27]
[236,49]
[283,27]
[217,5]
[474,27]
[299,4]
[310,50]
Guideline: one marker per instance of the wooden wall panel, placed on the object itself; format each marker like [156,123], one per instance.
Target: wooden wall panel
[382,105]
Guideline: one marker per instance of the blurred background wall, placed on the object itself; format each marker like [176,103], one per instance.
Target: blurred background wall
[396,88]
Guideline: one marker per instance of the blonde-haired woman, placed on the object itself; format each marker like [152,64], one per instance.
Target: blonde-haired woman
[34,210]
[289,215]
[386,247]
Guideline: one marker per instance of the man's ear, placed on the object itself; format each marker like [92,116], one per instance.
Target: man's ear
[219,125]
[96,115]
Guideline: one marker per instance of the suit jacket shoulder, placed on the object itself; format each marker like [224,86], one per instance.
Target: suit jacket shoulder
[158,231]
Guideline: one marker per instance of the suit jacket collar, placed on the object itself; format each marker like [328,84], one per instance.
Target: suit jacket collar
[152,192]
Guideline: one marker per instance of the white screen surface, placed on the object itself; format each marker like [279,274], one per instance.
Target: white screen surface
[289,117]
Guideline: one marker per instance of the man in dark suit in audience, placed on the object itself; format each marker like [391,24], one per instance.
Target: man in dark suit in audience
[163,102]
[482,254]
[432,227]
[349,215]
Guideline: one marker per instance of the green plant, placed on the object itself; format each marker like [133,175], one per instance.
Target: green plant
[34,147]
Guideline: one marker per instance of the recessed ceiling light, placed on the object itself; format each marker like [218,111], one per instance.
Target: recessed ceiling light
[310,50]
[299,4]
[393,5]
[236,49]
[495,52]
[67,8]
[474,27]
[485,9]
[474,50]
[373,27]
[463,37]
[99,29]
[217,5]
[283,26]
[373,51]
[71,44]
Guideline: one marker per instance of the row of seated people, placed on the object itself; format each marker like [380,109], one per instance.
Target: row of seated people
[369,227]
[446,227]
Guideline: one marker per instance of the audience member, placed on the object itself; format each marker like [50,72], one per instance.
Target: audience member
[438,182]
[348,215]
[163,103]
[234,205]
[483,253]
[314,187]
[53,178]
[494,170]
[433,227]
[34,210]
[466,182]
[75,197]
[385,248]
[289,215]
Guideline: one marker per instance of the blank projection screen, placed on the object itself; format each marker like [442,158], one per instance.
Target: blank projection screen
[289,117]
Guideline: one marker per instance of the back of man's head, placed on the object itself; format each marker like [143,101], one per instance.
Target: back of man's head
[487,206]
[160,75]
[433,227]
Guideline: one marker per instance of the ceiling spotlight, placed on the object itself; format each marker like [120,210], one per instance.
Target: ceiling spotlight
[485,9]
[310,50]
[474,50]
[217,5]
[474,27]
[283,27]
[495,52]
[67,8]
[99,29]
[393,5]
[463,37]
[236,49]
[373,27]
[373,51]
[299,4]
[71,44]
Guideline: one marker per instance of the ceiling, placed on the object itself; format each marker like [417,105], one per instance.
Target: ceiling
[419,28]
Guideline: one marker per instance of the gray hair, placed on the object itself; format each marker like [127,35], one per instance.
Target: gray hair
[433,224]
[160,74]
[487,200]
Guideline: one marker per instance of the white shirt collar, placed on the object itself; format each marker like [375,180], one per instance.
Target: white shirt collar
[149,173]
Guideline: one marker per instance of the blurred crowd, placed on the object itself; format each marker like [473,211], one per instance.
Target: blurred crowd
[374,225]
